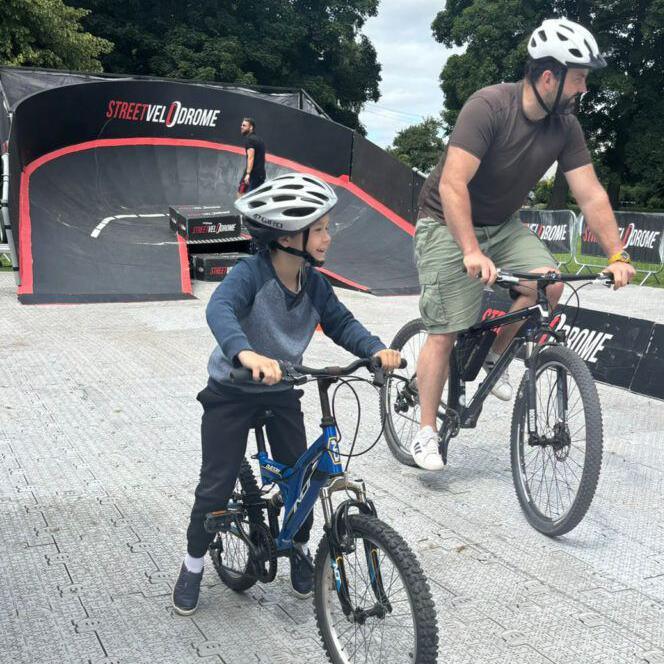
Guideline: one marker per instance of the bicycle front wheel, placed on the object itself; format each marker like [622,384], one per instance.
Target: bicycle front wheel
[556,476]
[393,619]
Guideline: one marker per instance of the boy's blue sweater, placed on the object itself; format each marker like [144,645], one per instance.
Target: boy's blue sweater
[252,310]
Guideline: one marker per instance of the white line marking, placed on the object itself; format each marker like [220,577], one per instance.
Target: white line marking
[104,222]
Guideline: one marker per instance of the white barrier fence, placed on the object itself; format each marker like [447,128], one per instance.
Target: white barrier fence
[642,234]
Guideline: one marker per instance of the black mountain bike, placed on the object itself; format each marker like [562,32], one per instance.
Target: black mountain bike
[556,434]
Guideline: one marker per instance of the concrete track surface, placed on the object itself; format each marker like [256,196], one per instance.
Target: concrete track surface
[99,456]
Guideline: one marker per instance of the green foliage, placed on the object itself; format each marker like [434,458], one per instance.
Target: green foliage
[622,113]
[419,145]
[48,33]
[296,43]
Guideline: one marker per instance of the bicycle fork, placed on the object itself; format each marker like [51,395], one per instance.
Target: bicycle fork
[334,526]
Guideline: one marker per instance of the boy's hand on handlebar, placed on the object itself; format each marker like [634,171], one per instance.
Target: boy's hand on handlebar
[480,266]
[622,273]
[264,369]
[390,359]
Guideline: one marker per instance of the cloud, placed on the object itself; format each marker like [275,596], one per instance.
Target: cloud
[411,63]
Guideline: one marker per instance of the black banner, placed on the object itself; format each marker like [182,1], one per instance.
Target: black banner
[649,376]
[642,234]
[554,227]
[126,109]
[621,351]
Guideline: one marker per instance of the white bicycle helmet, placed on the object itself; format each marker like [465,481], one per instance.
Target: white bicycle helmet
[286,205]
[567,42]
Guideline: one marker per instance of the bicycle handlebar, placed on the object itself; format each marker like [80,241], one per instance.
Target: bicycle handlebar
[506,278]
[296,374]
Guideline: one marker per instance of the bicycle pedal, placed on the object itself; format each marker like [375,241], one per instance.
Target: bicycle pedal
[222,520]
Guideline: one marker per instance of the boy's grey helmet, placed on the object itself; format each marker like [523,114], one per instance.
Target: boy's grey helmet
[286,205]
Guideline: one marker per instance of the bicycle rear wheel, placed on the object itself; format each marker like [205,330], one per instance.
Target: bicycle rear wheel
[397,626]
[556,477]
[399,401]
[228,551]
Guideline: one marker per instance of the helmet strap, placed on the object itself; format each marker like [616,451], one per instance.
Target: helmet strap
[301,253]
[561,84]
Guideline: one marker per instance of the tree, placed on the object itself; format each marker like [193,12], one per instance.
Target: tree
[622,113]
[419,145]
[48,33]
[310,44]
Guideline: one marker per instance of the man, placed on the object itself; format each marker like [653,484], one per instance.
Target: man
[505,139]
[254,172]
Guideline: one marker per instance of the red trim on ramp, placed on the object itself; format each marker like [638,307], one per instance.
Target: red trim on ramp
[343,280]
[185,277]
[25,226]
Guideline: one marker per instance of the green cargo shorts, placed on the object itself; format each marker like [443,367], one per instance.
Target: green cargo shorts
[450,300]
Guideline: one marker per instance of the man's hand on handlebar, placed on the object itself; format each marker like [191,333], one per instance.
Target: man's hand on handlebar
[390,359]
[480,266]
[622,273]
[264,369]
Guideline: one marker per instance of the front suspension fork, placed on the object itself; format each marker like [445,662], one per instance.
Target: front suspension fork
[342,483]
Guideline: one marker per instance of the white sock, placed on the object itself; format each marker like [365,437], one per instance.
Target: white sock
[303,547]
[194,565]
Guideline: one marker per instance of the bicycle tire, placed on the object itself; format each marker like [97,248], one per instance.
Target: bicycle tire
[237,580]
[396,553]
[400,429]
[559,521]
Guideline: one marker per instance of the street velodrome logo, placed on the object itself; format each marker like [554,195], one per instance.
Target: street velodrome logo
[171,115]
[631,236]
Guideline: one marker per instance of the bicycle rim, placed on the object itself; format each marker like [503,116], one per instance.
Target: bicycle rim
[389,640]
[402,427]
[552,477]
[233,557]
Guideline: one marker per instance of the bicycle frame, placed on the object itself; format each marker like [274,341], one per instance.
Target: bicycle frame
[469,414]
[302,483]
[318,472]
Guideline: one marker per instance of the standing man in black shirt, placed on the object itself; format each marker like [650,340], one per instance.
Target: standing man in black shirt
[254,172]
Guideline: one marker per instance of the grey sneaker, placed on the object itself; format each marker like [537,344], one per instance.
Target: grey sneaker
[186,590]
[301,573]
[503,388]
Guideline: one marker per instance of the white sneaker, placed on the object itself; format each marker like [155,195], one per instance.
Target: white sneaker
[424,449]
[503,388]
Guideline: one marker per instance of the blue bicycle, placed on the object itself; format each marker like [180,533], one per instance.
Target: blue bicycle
[371,599]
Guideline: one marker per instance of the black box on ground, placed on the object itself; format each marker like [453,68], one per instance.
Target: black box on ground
[213,267]
[197,223]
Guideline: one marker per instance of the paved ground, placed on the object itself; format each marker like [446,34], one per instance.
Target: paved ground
[99,455]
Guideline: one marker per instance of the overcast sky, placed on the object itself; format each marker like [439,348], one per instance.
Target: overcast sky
[411,62]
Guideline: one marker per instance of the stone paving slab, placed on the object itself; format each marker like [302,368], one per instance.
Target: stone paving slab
[99,455]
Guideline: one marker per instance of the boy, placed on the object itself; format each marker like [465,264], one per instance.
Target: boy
[268,307]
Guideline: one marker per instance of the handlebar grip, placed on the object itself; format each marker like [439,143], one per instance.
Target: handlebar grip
[403,364]
[243,375]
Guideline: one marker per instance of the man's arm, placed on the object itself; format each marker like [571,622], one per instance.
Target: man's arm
[460,168]
[250,163]
[596,208]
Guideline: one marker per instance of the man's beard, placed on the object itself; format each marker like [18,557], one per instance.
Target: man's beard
[566,105]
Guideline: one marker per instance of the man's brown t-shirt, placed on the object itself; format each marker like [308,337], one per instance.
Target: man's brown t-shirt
[515,152]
